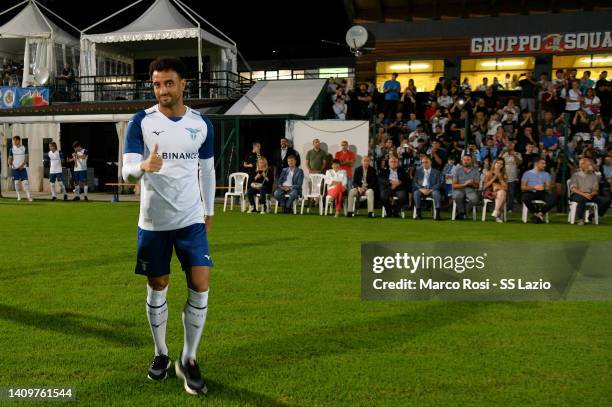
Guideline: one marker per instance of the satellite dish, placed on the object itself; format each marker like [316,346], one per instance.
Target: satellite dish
[356,37]
[41,76]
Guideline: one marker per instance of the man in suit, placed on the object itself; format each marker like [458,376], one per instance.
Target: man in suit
[393,182]
[289,183]
[427,184]
[281,157]
[364,184]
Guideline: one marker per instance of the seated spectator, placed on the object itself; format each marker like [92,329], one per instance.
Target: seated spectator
[438,155]
[607,172]
[444,100]
[364,184]
[591,103]
[290,184]
[413,123]
[414,137]
[536,184]
[393,182]
[336,182]
[599,142]
[465,186]
[493,124]
[473,152]
[427,184]
[261,185]
[340,108]
[315,158]
[584,187]
[549,141]
[489,150]
[495,188]
[397,128]
[510,108]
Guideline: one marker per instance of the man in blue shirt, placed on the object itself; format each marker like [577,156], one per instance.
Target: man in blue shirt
[391,90]
[536,184]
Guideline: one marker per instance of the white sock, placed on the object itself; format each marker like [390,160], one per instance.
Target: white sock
[53,189]
[77,191]
[62,186]
[157,314]
[26,187]
[194,318]
[17,189]
[85,189]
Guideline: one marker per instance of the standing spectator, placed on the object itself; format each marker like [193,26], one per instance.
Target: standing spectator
[281,156]
[393,182]
[484,85]
[591,102]
[79,157]
[364,184]
[261,184]
[336,182]
[391,89]
[573,98]
[250,161]
[346,157]
[290,184]
[513,161]
[427,184]
[444,100]
[69,76]
[536,184]
[315,158]
[586,82]
[584,187]
[364,102]
[409,103]
[465,186]
[439,86]
[495,187]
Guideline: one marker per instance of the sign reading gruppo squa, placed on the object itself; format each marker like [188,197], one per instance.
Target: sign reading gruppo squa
[542,43]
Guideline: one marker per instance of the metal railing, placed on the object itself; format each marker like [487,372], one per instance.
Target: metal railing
[209,85]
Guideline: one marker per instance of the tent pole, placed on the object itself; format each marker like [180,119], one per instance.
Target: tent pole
[15,6]
[199,63]
[111,16]
[58,16]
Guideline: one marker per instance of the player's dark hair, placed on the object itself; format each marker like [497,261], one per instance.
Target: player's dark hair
[291,156]
[336,161]
[53,143]
[168,64]
[76,144]
[16,138]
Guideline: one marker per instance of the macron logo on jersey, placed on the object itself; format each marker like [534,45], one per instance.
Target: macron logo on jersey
[180,156]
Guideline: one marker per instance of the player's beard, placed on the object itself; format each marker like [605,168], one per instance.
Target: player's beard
[173,100]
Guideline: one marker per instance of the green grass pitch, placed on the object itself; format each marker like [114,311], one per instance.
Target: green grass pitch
[286,325]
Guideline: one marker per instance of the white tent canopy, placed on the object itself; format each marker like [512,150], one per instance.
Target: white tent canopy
[38,40]
[162,29]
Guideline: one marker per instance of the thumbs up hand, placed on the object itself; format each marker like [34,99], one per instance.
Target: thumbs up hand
[153,163]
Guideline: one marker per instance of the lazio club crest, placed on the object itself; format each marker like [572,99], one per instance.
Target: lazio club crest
[193,132]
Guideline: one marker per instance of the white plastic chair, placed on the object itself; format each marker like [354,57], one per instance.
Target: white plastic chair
[488,201]
[571,214]
[454,211]
[314,193]
[433,206]
[526,210]
[384,211]
[294,204]
[238,182]
[268,204]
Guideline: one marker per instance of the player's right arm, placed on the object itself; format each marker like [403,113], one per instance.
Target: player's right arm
[10,158]
[134,163]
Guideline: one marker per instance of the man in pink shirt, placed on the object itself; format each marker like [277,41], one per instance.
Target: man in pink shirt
[347,158]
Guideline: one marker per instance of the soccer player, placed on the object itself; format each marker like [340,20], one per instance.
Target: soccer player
[169,148]
[55,170]
[79,157]
[18,160]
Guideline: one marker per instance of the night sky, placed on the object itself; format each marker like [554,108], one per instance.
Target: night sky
[294,29]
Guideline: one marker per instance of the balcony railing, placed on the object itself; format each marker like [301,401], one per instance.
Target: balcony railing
[210,85]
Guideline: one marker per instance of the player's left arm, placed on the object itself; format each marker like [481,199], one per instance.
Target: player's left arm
[25,160]
[207,173]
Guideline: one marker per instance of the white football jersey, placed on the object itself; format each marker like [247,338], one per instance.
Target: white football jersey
[18,154]
[80,163]
[55,159]
[170,199]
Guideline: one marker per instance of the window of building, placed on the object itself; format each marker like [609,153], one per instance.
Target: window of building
[595,63]
[506,70]
[425,73]
[325,73]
